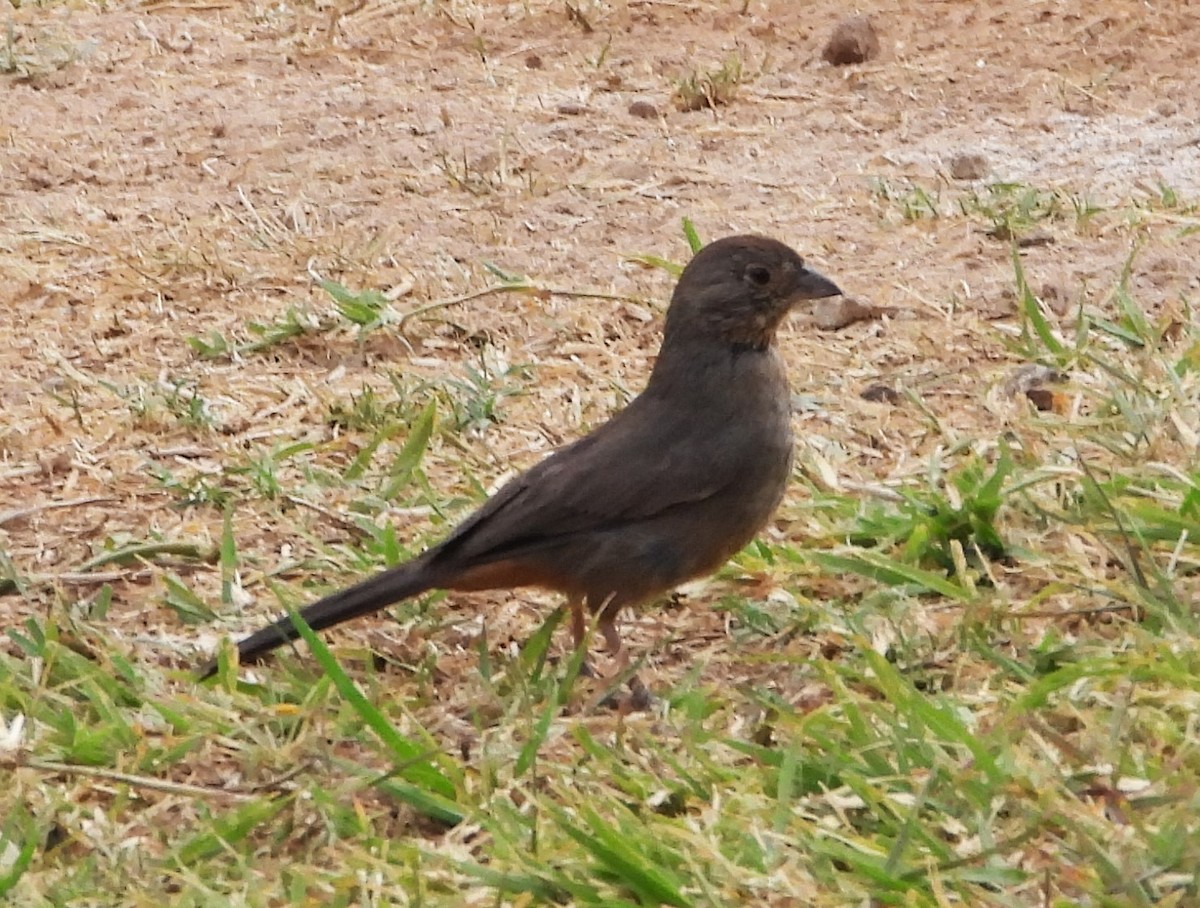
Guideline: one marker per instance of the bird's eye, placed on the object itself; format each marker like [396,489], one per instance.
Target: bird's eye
[759,275]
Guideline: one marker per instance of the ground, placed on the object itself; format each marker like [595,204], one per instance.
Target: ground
[194,429]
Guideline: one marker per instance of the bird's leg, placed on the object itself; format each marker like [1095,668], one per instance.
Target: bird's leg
[639,695]
[578,621]
[612,639]
[579,633]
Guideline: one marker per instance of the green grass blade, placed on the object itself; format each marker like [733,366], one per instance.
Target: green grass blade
[435,791]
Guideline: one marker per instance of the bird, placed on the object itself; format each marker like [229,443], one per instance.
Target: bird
[665,491]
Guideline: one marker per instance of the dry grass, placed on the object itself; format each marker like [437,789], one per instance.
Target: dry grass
[301,287]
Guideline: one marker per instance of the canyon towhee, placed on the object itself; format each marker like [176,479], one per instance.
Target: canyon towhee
[663,492]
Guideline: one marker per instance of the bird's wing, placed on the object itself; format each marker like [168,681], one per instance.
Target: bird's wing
[618,474]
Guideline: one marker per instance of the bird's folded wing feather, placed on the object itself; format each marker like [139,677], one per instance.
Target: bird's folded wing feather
[616,475]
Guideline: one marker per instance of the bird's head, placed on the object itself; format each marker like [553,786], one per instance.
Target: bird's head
[738,289]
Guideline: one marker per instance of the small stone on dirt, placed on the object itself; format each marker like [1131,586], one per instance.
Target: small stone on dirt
[969,165]
[839,311]
[1044,399]
[533,61]
[1032,377]
[1054,294]
[881,394]
[571,110]
[638,313]
[1037,238]
[643,109]
[854,40]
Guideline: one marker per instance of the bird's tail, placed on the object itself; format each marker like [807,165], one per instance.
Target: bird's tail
[372,594]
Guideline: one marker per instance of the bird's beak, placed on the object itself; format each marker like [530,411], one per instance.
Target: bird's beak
[812,285]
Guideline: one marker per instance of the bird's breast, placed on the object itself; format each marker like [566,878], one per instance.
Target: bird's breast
[756,430]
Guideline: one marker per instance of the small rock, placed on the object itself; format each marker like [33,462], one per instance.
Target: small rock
[571,109]
[854,40]
[52,463]
[638,313]
[633,171]
[533,61]
[1054,294]
[643,109]
[488,162]
[1037,238]
[968,165]
[1035,383]
[839,311]
[882,394]
[1029,376]
[1044,399]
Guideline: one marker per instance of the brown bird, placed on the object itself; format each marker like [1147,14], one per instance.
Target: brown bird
[665,491]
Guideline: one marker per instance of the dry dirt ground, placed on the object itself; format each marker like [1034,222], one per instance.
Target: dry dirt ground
[173,169]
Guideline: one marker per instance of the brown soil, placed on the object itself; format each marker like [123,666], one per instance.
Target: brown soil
[174,169]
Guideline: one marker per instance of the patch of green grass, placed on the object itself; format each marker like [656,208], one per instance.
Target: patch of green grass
[701,89]
[195,489]
[369,410]
[914,202]
[474,400]
[29,53]
[1011,211]
[952,515]
[175,400]
[368,309]
[973,682]
[292,324]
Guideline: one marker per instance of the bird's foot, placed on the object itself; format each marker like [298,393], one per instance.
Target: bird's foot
[638,700]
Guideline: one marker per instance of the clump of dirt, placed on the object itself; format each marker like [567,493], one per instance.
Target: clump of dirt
[713,88]
[968,165]
[643,109]
[854,40]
